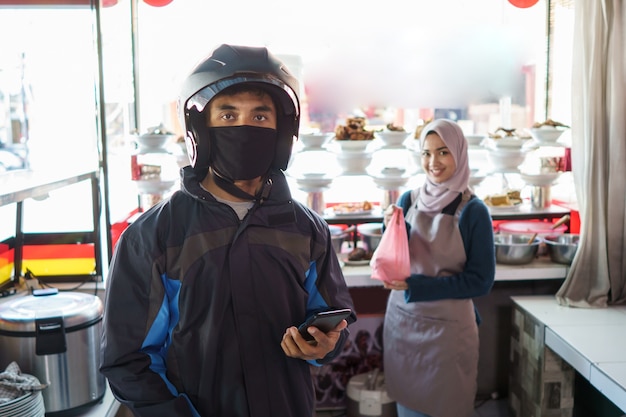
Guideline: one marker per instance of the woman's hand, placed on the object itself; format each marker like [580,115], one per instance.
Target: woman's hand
[388,213]
[396,285]
[295,346]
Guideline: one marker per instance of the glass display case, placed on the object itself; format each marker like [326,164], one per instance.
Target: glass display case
[50,174]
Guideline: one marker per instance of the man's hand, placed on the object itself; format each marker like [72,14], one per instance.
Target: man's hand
[295,346]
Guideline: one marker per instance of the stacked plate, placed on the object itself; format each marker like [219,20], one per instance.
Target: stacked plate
[29,405]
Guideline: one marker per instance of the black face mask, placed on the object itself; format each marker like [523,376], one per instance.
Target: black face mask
[242,152]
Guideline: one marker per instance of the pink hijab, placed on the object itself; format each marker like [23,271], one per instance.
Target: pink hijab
[433,197]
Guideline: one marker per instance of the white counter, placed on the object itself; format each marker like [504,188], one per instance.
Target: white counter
[540,268]
[592,341]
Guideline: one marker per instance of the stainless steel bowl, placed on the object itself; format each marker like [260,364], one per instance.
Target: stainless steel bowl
[562,248]
[338,235]
[514,249]
[370,233]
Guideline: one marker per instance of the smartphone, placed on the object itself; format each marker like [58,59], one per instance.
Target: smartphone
[324,320]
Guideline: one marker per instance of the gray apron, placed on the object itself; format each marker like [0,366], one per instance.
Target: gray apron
[431,348]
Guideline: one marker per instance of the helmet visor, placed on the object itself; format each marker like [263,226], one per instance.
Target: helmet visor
[279,90]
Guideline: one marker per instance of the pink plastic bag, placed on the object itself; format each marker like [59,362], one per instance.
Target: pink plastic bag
[391,260]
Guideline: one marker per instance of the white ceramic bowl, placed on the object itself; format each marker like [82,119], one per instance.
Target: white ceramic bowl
[476,177]
[354,163]
[392,138]
[540,180]
[313,184]
[314,140]
[390,183]
[506,159]
[546,134]
[507,142]
[391,172]
[153,141]
[352,145]
[475,140]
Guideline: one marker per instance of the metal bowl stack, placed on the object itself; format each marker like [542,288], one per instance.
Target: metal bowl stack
[562,248]
[516,249]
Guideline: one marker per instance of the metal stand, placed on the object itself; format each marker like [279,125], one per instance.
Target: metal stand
[315,201]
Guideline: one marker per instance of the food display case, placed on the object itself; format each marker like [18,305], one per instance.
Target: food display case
[389,160]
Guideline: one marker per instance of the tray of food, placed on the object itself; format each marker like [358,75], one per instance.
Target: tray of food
[508,200]
[351,209]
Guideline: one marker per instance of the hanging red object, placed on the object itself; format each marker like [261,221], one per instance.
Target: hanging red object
[109,3]
[523,4]
[157,3]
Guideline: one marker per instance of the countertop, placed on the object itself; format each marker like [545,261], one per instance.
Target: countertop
[591,340]
[106,408]
[360,276]
[540,268]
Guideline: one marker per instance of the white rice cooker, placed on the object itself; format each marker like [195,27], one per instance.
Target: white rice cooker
[367,396]
[56,337]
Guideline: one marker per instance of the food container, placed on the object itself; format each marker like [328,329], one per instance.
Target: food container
[368,397]
[370,233]
[540,196]
[56,338]
[562,248]
[516,249]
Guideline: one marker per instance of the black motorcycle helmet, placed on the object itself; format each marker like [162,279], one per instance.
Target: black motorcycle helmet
[227,66]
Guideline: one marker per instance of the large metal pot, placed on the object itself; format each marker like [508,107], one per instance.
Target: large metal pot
[57,339]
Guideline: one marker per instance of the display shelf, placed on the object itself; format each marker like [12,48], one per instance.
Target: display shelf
[17,186]
[376,216]
[527,212]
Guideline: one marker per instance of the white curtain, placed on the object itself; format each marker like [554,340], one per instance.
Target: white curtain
[598,274]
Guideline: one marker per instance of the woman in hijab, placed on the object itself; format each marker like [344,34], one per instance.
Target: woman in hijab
[431,325]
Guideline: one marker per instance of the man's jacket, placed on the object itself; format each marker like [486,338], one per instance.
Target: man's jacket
[198,301]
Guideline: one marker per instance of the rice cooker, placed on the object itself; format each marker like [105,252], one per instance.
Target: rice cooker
[55,336]
[367,396]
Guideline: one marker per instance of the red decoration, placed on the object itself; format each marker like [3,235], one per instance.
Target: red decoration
[523,4]
[157,3]
[109,3]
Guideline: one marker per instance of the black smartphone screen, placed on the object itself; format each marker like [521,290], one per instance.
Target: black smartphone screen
[324,320]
